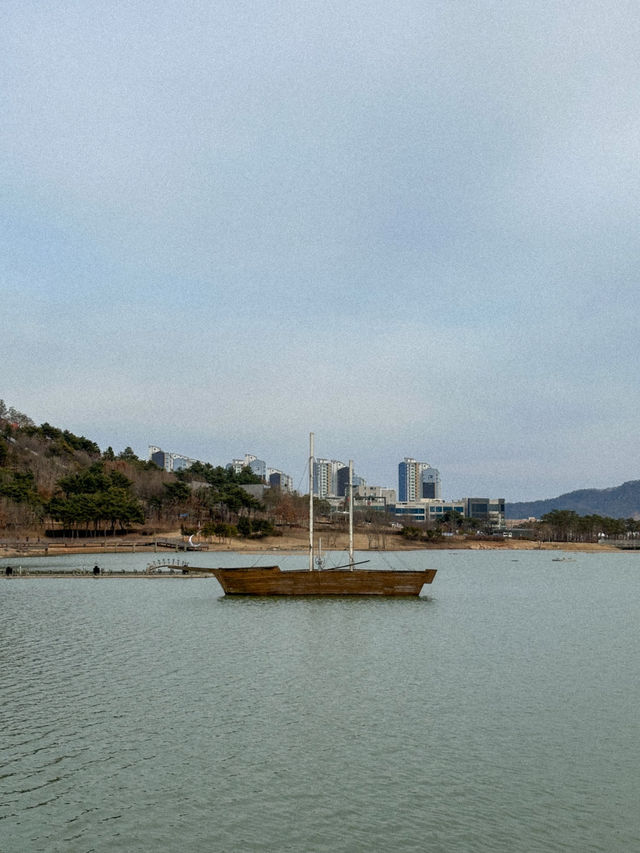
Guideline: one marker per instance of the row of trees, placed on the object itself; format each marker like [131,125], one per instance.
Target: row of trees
[558,526]
[565,525]
[91,499]
[449,522]
[247,528]
[102,496]
[95,499]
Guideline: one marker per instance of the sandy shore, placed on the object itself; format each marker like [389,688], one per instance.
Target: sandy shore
[295,542]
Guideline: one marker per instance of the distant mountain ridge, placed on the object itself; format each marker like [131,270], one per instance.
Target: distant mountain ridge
[616,502]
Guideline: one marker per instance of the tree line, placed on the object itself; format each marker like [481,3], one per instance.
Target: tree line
[565,525]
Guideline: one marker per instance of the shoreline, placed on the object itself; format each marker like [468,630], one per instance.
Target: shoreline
[287,545]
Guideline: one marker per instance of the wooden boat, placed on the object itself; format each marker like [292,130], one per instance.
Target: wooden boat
[317,580]
[271,580]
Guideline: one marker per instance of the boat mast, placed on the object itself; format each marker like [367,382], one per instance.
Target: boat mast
[351,514]
[311,453]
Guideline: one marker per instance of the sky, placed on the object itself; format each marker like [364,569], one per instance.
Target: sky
[411,228]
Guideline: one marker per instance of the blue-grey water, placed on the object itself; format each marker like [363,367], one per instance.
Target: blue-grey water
[498,712]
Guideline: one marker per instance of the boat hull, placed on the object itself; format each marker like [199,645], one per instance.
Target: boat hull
[270,580]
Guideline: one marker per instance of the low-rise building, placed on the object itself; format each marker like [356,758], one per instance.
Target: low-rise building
[373,497]
[425,511]
[485,510]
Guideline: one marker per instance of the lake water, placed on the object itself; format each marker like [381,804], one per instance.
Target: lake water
[498,712]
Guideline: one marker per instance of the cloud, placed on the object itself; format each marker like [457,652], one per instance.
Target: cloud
[411,227]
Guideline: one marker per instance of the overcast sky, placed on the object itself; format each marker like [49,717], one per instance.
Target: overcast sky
[411,227]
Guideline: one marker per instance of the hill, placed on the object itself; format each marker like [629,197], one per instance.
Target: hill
[616,502]
[55,483]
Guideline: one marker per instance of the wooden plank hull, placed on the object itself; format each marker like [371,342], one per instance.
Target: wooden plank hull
[270,580]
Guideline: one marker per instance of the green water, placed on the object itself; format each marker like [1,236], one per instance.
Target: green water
[499,712]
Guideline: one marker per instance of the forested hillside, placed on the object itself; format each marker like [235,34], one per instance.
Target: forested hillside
[52,481]
[617,502]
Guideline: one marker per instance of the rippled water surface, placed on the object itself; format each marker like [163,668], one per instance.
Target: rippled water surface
[499,712]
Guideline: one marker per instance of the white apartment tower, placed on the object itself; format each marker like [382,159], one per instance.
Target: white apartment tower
[325,477]
[417,481]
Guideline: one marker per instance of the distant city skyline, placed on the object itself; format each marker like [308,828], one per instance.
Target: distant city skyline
[416,481]
[417,498]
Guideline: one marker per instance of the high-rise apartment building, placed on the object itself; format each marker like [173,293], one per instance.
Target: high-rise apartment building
[417,481]
[325,477]
[272,476]
[430,484]
[257,466]
[342,482]
[278,480]
[169,461]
